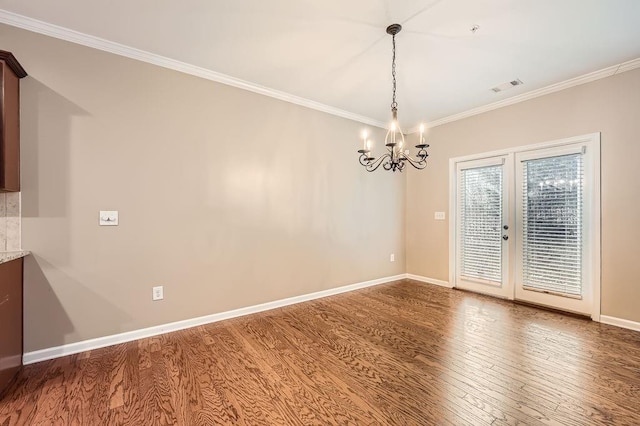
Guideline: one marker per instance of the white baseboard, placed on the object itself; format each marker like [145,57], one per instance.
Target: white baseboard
[429,280]
[619,322]
[101,342]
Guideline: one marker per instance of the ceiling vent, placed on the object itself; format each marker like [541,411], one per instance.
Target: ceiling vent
[508,85]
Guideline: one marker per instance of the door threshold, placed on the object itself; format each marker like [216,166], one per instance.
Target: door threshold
[495,296]
[529,304]
[551,309]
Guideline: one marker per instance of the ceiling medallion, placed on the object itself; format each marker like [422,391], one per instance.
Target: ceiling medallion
[396,156]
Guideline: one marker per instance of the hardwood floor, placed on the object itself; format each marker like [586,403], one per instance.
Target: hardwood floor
[400,353]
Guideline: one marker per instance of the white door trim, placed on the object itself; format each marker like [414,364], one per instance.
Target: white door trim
[595,255]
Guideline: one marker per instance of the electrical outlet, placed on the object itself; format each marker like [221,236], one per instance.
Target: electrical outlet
[439,216]
[158,293]
[392,258]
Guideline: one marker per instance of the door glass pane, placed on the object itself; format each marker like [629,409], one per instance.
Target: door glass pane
[480,225]
[552,224]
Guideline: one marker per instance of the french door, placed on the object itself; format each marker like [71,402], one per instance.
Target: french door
[483,212]
[526,224]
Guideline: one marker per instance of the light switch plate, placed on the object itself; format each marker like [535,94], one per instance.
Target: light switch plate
[108,218]
[439,216]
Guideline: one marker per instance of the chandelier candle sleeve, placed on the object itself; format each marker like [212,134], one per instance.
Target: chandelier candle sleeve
[395,158]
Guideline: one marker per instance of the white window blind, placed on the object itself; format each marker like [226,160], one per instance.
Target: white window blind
[552,224]
[481,222]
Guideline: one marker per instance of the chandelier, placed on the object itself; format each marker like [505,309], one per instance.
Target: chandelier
[397,155]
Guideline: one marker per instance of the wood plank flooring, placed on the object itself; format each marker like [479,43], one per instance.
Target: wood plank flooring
[402,353]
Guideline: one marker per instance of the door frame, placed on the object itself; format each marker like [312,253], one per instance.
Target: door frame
[594,254]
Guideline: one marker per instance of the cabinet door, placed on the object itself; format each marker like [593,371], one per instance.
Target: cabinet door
[10,130]
[10,320]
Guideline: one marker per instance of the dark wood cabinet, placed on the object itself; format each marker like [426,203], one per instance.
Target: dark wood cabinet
[10,74]
[10,320]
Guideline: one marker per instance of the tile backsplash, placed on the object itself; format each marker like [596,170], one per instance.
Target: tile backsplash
[10,237]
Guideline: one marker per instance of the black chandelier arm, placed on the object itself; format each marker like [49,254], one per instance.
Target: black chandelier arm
[364,158]
[420,162]
[422,154]
[417,164]
[373,164]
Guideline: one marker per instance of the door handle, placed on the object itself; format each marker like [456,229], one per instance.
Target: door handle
[505,237]
[505,227]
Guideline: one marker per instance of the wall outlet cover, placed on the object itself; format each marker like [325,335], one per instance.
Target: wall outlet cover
[439,216]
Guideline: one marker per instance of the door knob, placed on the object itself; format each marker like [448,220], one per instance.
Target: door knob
[505,237]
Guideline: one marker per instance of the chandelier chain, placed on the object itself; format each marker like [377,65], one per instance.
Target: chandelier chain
[394,104]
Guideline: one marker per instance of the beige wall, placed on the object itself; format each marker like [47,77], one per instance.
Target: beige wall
[610,106]
[230,199]
[226,197]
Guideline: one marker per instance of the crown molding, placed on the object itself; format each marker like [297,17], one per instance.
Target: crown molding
[55,31]
[62,33]
[586,78]
[628,66]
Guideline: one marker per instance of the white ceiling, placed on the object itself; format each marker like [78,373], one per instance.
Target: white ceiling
[337,52]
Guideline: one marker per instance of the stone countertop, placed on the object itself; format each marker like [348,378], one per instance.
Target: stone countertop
[6,256]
